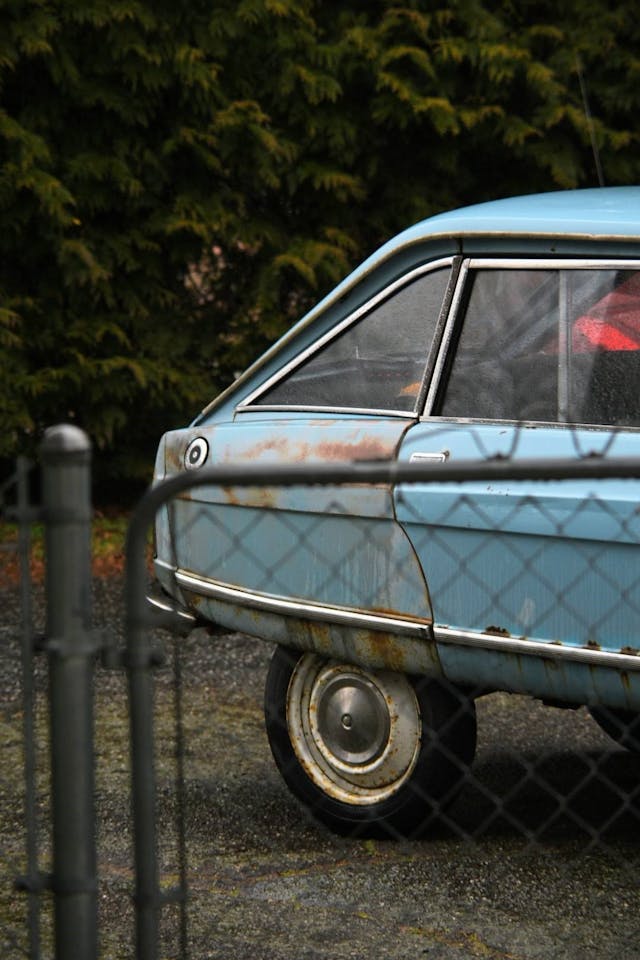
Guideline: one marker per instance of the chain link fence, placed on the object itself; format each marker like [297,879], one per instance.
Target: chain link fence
[368,737]
[503,826]
[25,920]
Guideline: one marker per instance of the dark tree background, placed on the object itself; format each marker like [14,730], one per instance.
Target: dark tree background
[179,181]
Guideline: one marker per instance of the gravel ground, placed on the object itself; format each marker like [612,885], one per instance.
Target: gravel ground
[266,882]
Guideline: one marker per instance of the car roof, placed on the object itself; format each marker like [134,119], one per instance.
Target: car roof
[603,213]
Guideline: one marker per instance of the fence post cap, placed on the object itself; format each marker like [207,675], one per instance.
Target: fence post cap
[65,438]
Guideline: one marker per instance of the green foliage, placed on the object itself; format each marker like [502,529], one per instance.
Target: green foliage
[179,181]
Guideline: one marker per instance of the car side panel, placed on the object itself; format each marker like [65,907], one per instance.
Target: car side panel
[300,557]
[547,562]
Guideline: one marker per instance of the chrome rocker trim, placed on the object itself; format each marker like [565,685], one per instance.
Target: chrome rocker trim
[301,608]
[545,649]
[418,629]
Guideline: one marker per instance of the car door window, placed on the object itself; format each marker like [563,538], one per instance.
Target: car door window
[375,363]
[552,345]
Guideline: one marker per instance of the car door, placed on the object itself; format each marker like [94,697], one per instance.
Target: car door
[540,359]
[325,553]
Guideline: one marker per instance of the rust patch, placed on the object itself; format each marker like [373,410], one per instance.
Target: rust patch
[230,496]
[366,449]
[274,444]
[383,647]
[172,458]
[250,496]
[401,614]
[287,450]
[497,632]
[317,635]
[629,651]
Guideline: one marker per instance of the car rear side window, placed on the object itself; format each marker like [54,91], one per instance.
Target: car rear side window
[375,363]
[553,345]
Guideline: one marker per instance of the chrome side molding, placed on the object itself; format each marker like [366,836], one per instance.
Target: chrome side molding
[405,626]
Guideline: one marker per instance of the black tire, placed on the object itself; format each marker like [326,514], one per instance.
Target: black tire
[369,753]
[623,726]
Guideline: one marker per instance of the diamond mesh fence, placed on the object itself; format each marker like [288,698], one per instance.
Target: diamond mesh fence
[429,749]
[444,759]
[25,920]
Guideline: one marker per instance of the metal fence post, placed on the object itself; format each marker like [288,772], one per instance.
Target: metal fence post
[66,454]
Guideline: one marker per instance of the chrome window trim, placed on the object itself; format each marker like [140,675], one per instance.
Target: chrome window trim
[304,408]
[556,424]
[507,263]
[331,334]
[447,334]
[553,263]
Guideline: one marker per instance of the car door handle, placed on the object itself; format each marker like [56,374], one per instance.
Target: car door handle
[439,456]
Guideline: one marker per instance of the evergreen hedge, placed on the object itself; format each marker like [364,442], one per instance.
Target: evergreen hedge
[180,180]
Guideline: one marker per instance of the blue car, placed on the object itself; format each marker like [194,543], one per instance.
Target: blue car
[507,331]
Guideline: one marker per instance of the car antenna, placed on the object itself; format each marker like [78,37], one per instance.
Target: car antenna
[587,113]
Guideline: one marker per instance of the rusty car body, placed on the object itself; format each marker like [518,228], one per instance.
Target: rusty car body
[509,330]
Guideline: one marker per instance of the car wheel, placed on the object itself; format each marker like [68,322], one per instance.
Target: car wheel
[623,726]
[368,752]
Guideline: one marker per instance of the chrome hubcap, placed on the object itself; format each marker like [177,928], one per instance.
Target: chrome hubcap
[350,719]
[356,733]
